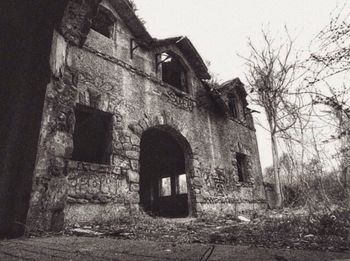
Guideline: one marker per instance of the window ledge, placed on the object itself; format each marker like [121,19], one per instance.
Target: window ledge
[177,91]
[244,184]
[89,166]
[241,123]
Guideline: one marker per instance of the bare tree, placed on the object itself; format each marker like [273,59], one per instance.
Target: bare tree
[330,50]
[329,69]
[271,74]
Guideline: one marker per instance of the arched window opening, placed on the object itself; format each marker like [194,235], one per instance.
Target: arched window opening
[102,23]
[242,169]
[173,71]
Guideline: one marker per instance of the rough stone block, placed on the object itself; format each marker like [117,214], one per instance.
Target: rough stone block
[56,171]
[199,207]
[196,164]
[135,187]
[42,163]
[127,146]
[197,182]
[104,169]
[135,140]
[124,171]
[138,130]
[57,191]
[86,166]
[116,171]
[197,172]
[143,124]
[94,167]
[72,165]
[133,198]
[136,148]
[134,165]
[117,145]
[125,164]
[117,161]
[89,196]
[133,176]
[132,154]
[61,144]
[199,198]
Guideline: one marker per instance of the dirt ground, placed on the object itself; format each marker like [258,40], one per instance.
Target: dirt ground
[282,235]
[97,248]
[287,229]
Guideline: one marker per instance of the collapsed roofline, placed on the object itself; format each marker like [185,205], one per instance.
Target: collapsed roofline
[144,39]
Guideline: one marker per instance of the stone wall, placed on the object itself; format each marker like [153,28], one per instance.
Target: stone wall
[101,75]
[26,37]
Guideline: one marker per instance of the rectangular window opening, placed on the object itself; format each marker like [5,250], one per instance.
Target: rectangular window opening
[165,189]
[233,107]
[182,184]
[92,135]
[241,167]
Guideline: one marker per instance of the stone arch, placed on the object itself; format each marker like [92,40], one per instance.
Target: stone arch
[183,157]
[164,119]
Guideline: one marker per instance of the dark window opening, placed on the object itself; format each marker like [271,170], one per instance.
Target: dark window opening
[232,104]
[103,24]
[92,135]
[173,72]
[133,47]
[241,167]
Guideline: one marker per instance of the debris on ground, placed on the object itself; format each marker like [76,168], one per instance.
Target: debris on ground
[85,232]
[272,229]
[244,219]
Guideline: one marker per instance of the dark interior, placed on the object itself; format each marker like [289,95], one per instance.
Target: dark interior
[232,103]
[26,29]
[92,135]
[241,167]
[162,159]
[174,73]
[102,23]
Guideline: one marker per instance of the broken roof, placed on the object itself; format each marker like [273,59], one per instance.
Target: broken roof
[233,84]
[137,28]
[189,51]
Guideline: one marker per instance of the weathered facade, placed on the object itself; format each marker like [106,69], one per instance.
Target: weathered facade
[129,124]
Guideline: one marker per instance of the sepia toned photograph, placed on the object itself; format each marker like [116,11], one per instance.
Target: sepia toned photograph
[159,130]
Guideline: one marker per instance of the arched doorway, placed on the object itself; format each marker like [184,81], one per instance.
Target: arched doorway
[165,160]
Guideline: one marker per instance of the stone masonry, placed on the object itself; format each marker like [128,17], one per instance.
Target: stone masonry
[120,76]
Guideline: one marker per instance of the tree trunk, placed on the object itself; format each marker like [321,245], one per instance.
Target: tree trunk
[345,180]
[275,162]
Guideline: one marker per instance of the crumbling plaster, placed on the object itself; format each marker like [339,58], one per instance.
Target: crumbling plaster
[101,74]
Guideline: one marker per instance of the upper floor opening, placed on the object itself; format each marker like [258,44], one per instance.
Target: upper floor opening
[233,106]
[173,71]
[103,22]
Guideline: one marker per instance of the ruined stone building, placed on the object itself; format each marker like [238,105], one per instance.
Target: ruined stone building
[99,120]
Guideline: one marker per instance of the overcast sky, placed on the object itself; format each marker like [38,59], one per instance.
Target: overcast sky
[219,30]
